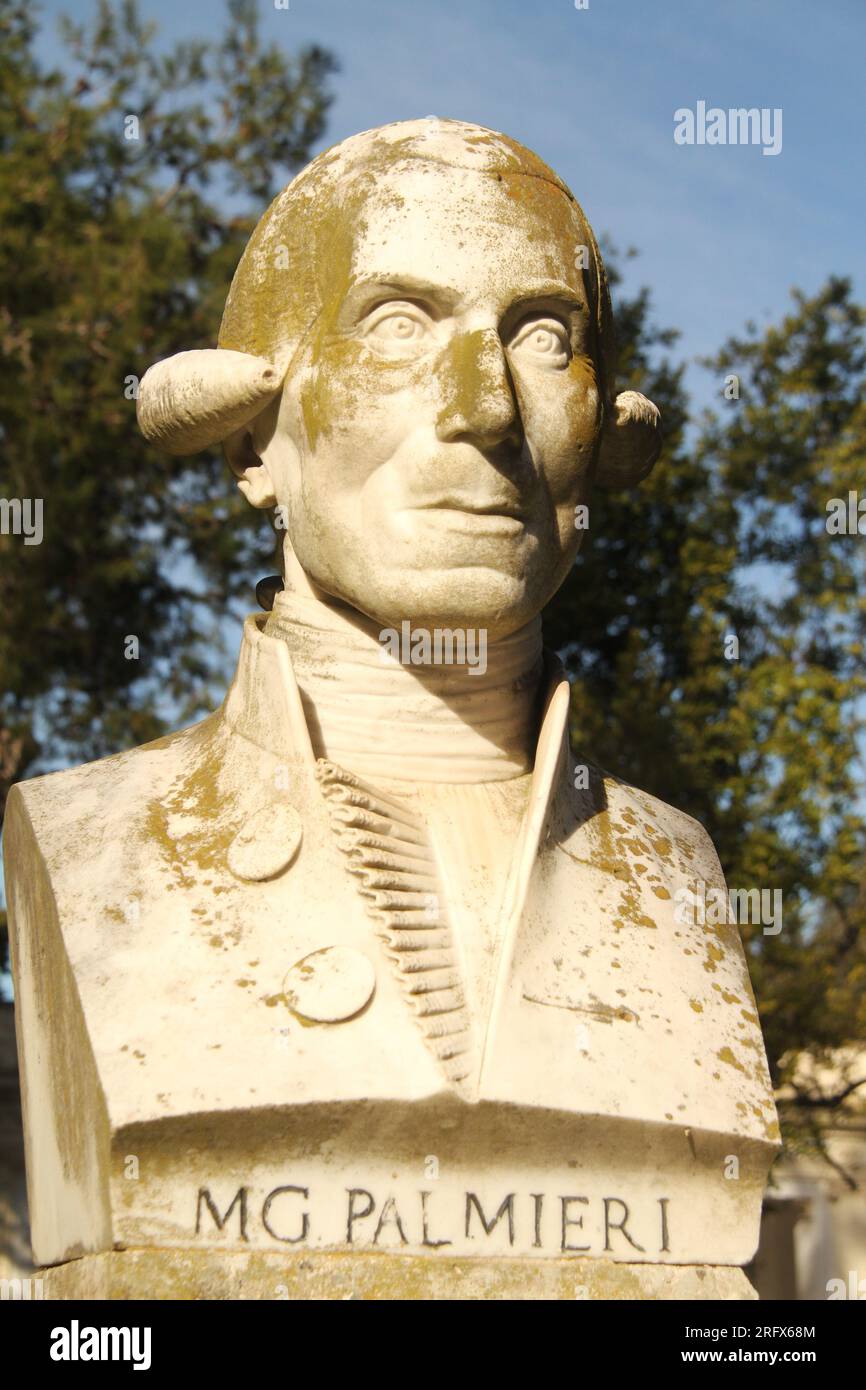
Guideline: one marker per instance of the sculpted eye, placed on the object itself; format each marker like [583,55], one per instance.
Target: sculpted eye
[395,328]
[399,327]
[543,341]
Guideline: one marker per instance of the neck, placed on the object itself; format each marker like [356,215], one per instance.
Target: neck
[448,721]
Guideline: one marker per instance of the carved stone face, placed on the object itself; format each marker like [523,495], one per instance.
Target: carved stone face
[439,422]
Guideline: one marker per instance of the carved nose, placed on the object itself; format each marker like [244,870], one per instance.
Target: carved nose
[479,403]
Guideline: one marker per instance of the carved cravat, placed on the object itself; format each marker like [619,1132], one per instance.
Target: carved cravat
[387,850]
[384,721]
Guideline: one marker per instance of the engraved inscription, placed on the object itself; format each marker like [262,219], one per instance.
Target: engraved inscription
[363,1217]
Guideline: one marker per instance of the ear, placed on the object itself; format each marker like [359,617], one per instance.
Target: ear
[250,469]
[631,441]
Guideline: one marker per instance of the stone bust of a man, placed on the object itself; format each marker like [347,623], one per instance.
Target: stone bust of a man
[375,909]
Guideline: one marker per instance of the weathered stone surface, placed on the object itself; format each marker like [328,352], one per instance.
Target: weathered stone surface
[197,1274]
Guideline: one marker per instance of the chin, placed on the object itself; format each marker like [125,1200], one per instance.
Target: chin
[472,597]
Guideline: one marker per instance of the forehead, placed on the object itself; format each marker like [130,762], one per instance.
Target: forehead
[479,236]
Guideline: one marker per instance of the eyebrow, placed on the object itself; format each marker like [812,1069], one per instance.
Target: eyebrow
[564,294]
[411,287]
[406,287]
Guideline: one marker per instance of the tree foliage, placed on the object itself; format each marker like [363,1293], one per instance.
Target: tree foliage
[115,252]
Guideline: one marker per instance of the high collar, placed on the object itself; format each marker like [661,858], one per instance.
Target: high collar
[386,705]
[264,705]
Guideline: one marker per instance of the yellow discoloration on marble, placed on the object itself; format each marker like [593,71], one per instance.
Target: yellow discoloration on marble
[186,1274]
[726,1055]
[630,912]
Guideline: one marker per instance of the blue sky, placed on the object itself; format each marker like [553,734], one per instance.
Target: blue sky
[724,232]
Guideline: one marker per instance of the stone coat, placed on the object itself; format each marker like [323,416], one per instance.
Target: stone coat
[167,906]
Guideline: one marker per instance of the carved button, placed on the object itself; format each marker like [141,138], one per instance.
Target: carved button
[267,844]
[330,985]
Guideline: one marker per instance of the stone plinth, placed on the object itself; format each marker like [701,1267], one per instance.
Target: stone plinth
[208,1274]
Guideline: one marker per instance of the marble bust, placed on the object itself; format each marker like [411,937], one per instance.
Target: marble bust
[370,961]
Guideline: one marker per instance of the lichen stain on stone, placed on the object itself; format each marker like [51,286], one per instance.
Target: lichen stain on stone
[303,1021]
[205,848]
[726,994]
[726,1055]
[714,955]
[629,910]
[698,1007]
[635,845]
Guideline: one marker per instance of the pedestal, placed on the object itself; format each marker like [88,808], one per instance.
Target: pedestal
[209,1274]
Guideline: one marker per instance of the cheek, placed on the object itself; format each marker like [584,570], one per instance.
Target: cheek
[350,400]
[562,418]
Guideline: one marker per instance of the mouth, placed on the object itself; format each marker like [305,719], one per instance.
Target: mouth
[473,518]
